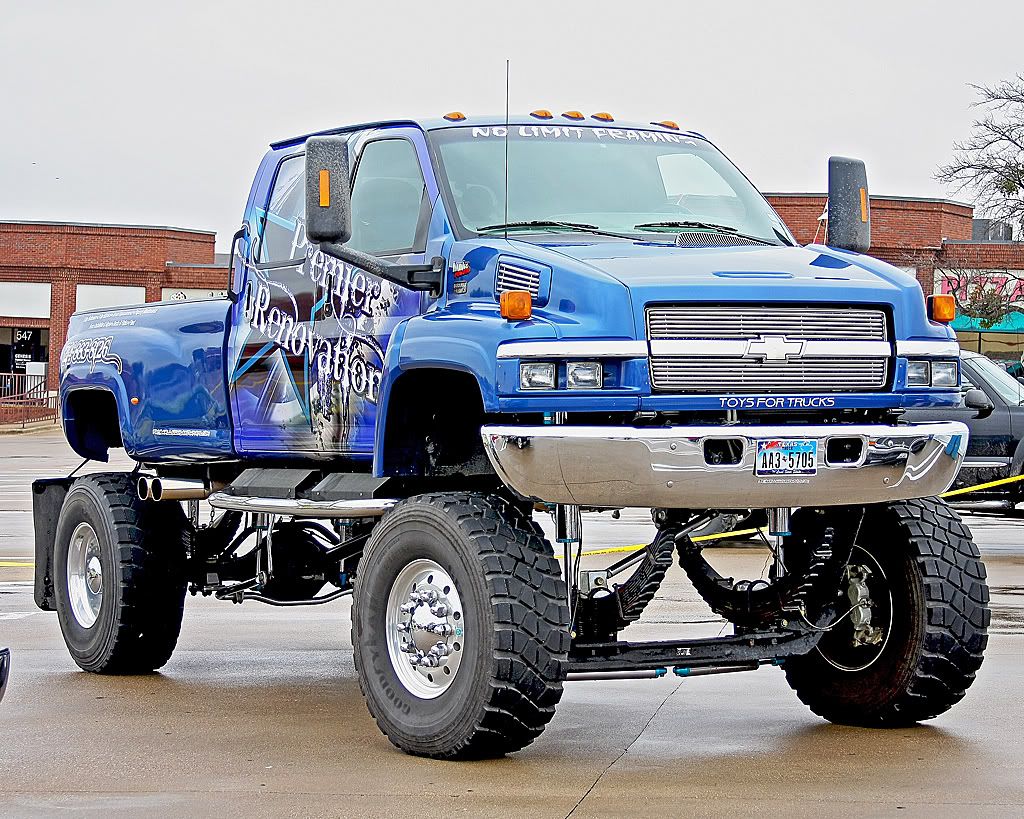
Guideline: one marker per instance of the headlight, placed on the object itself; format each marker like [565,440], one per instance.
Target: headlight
[537,375]
[944,374]
[918,374]
[583,375]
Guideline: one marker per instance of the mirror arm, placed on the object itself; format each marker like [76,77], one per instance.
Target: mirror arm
[426,277]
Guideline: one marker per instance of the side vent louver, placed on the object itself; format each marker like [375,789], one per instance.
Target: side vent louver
[514,277]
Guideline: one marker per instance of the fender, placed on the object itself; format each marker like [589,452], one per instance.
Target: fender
[164,364]
[433,341]
[115,389]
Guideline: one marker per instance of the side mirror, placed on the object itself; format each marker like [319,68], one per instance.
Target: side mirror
[849,209]
[329,219]
[976,399]
[328,193]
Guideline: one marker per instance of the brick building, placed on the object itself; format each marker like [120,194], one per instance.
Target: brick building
[944,246]
[48,270]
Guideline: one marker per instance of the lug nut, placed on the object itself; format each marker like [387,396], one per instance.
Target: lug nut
[440,610]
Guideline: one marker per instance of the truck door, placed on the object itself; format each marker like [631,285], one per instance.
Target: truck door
[392,195]
[312,332]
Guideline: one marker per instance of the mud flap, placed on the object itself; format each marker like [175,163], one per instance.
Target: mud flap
[47,500]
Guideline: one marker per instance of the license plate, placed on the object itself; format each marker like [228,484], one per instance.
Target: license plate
[786,457]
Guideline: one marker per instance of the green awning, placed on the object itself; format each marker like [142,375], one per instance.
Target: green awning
[1013,323]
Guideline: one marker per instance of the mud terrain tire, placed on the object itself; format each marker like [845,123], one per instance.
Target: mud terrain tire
[937,623]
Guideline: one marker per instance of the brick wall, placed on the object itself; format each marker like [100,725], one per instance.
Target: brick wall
[66,255]
[908,232]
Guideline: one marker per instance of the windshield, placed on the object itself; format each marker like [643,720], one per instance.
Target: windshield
[609,179]
[1008,387]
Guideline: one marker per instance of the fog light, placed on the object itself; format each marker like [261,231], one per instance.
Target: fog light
[583,375]
[536,375]
[944,374]
[918,374]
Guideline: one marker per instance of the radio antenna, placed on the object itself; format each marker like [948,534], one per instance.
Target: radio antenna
[505,220]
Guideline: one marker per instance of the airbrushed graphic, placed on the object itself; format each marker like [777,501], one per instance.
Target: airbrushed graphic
[311,362]
[91,351]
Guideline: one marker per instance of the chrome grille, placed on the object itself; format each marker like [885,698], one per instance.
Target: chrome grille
[751,321]
[727,375]
[754,372]
[513,277]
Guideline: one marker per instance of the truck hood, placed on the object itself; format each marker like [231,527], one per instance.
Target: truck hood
[657,272]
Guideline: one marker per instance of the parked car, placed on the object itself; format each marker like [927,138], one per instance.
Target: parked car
[992,406]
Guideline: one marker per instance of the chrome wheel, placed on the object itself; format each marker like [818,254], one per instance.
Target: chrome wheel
[425,628]
[85,575]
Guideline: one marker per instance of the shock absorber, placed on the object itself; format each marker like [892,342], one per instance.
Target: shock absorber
[568,524]
[778,528]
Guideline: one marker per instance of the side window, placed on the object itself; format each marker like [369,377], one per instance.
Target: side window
[284,230]
[389,200]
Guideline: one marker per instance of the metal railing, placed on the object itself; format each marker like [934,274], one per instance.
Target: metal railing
[25,399]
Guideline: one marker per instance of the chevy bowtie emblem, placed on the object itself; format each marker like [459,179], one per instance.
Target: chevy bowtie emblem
[774,348]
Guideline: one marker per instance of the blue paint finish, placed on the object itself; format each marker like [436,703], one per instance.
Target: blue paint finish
[171,357]
[181,360]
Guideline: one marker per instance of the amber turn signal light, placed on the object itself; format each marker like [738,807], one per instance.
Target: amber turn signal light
[516,305]
[942,308]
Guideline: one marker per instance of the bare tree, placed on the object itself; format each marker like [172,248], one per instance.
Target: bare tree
[990,163]
[981,293]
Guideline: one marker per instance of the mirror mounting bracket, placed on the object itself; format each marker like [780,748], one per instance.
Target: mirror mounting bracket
[426,277]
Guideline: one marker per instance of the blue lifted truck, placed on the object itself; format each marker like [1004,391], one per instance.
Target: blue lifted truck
[437,330]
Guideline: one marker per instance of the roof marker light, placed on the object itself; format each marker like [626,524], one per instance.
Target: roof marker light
[541,113]
[455,116]
[573,115]
[604,116]
[667,123]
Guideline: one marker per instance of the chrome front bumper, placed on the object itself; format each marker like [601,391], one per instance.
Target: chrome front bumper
[668,466]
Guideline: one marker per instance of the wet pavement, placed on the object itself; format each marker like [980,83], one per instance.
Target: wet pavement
[259,710]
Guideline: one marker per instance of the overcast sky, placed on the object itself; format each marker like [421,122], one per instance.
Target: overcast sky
[151,113]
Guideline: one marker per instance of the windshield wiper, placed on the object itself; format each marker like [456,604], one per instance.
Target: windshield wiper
[549,223]
[729,229]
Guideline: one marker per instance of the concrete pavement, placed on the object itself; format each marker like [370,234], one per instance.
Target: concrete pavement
[260,710]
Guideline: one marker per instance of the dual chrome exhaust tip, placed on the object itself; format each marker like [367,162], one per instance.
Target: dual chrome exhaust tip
[155,488]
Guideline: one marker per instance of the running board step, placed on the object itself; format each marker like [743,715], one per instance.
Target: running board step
[303,507]
[307,493]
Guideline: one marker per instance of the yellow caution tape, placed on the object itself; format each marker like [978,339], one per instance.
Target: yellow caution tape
[989,485]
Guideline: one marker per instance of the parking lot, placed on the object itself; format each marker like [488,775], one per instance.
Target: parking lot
[260,709]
